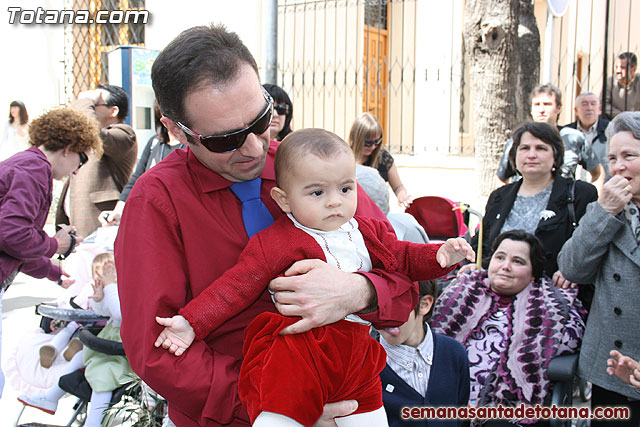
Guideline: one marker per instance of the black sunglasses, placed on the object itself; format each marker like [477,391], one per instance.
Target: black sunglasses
[370,142]
[83,158]
[234,140]
[282,109]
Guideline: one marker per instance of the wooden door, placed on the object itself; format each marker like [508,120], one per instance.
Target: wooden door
[376,73]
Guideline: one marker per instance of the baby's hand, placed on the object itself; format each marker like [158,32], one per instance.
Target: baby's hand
[98,290]
[177,335]
[108,272]
[453,251]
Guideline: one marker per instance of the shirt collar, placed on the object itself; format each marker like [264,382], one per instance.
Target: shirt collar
[403,354]
[591,129]
[209,180]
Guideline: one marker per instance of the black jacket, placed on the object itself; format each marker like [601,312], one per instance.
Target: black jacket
[599,143]
[553,232]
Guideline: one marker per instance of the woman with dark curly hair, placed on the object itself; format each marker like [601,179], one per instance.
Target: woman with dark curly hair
[282,112]
[60,140]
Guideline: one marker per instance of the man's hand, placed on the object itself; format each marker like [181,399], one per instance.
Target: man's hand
[559,281]
[616,193]
[177,335]
[321,294]
[453,251]
[107,218]
[333,410]
[95,95]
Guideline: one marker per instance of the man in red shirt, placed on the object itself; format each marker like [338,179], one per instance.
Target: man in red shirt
[182,228]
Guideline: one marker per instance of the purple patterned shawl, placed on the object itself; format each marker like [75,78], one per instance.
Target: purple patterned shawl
[544,322]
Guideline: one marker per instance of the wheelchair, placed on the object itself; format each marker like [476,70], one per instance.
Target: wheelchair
[562,372]
[132,402]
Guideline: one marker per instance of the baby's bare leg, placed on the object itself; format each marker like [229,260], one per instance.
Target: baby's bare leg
[377,418]
[271,419]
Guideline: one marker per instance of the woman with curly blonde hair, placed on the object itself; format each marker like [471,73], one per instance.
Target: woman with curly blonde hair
[365,140]
[60,140]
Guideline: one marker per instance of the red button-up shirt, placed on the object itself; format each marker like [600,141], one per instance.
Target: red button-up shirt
[182,229]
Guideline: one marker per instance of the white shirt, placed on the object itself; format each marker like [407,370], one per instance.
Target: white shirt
[343,248]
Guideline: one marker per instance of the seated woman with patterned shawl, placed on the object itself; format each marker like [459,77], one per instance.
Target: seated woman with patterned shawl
[512,321]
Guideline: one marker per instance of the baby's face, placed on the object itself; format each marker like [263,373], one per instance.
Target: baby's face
[322,193]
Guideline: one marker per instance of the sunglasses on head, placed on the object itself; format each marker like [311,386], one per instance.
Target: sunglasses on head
[83,158]
[281,109]
[233,140]
[370,142]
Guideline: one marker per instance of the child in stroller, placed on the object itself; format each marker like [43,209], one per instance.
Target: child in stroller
[103,372]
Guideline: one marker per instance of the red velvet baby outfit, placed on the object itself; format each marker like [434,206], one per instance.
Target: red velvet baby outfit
[296,375]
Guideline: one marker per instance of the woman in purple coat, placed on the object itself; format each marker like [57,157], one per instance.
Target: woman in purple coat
[60,140]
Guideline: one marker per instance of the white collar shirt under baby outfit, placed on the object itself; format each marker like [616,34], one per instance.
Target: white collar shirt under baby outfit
[343,248]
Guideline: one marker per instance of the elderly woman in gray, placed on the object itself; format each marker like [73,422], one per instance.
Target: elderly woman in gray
[605,250]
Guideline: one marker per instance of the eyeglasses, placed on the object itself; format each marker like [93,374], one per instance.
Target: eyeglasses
[83,159]
[370,142]
[282,109]
[101,105]
[234,140]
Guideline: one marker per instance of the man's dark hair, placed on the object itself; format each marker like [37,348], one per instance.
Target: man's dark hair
[544,132]
[549,89]
[117,98]
[199,56]
[632,59]
[537,254]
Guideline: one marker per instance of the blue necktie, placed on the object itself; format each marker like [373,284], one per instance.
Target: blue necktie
[255,214]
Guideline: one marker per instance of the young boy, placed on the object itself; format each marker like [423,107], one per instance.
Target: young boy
[412,350]
[287,379]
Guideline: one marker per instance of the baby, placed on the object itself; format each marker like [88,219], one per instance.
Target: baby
[103,372]
[316,188]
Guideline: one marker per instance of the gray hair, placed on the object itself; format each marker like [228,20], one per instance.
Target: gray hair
[582,94]
[625,121]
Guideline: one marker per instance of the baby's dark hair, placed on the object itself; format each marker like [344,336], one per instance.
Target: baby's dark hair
[297,144]
[428,287]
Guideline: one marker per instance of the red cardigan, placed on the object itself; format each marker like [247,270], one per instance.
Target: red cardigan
[273,250]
